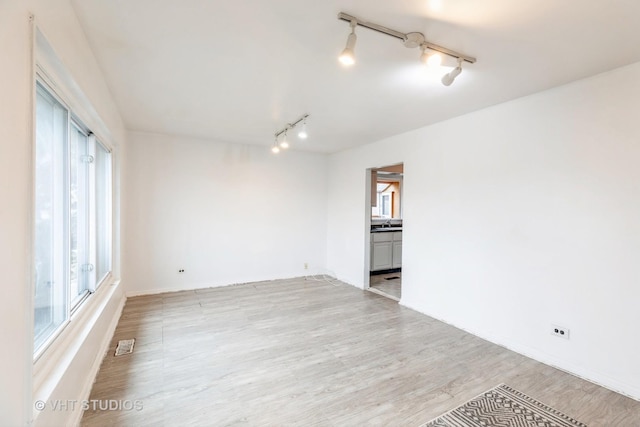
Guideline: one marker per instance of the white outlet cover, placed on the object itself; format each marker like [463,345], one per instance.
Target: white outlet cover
[558,334]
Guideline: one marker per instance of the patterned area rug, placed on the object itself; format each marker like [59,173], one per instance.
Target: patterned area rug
[504,406]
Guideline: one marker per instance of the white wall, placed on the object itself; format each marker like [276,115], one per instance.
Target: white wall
[516,217]
[57,19]
[226,213]
[15,173]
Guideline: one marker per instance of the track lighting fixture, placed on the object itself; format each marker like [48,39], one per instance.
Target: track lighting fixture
[347,58]
[303,132]
[431,53]
[432,59]
[448,78]
[284,144]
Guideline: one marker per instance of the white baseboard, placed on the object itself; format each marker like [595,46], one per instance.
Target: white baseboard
[169,289]
[197,286]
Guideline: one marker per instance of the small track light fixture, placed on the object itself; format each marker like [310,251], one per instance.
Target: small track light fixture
[347,57]
[448,78]
[433,58]
[303,131]
[284,144]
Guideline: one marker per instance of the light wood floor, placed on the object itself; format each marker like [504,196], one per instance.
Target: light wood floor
[312,353]
[388,284]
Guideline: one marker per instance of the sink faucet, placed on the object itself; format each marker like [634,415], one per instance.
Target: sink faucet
[387,223]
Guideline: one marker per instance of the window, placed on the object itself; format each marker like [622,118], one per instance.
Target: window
[385,205]
[386,194]
[103,212]
[50,292]
[72,245]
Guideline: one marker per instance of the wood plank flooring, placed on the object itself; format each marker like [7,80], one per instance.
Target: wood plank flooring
[314,353]
[388,284]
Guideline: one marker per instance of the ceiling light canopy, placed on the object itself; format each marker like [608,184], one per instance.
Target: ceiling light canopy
[431,53]
[284,143]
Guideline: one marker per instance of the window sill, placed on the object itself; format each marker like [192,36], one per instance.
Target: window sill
[54,362]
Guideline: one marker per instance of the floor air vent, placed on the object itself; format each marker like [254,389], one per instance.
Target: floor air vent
[125,347]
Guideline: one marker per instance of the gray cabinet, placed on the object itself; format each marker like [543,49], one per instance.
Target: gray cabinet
[386,250]
[397,254]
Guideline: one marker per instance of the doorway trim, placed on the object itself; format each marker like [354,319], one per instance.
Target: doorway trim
[367,226]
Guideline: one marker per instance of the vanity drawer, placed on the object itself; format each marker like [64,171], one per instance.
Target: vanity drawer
[382,237]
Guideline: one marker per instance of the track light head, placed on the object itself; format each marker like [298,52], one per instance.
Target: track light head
[448,78]
[274,148]
[303,132]
[432,60]
[284,143]
[347,57]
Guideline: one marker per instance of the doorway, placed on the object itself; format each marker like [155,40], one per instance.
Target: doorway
[385,231]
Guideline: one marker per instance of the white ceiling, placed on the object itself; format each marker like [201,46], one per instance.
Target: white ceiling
[237,71]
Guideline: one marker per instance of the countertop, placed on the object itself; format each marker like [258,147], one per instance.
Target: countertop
[385,229]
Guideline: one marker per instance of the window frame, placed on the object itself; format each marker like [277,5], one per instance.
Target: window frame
[75,300]
[74,304]
[382,197]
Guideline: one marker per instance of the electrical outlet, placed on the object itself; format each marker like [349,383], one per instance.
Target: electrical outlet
[306,266]
[181,270]
[560,331]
